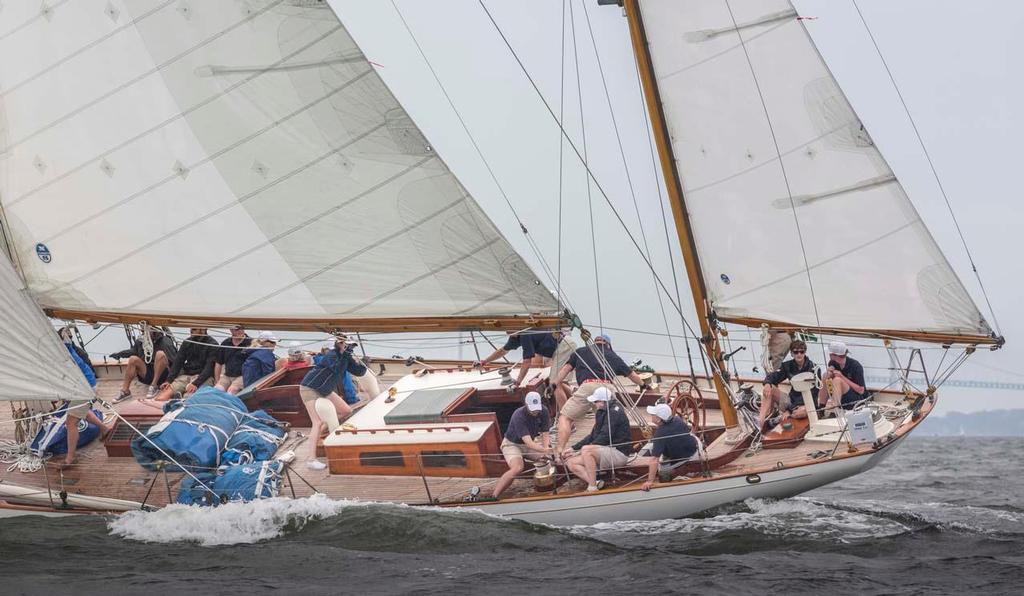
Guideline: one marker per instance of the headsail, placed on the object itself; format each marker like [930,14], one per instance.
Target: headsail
[234,161]
[797,218]
[36,365]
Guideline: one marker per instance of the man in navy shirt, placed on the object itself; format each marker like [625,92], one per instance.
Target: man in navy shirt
[608,445]
[538,349]
[527,424]
[591,374]
[793,403]
[844,378]
[322,381]
[671,444]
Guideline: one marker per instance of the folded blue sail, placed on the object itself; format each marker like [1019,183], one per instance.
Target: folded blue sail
[192,433]
[52,437]
[256,439]
[233,483]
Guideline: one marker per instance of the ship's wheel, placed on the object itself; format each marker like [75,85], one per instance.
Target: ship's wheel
[688,404]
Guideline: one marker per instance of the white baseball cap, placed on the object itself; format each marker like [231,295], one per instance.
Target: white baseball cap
[295,351]
[267,336]
[663,411]
[533,402]
[837,347]
[600,394]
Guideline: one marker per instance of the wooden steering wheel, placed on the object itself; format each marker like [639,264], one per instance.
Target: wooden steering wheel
[687,403]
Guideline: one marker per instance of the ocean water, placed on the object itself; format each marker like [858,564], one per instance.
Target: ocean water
[943,515]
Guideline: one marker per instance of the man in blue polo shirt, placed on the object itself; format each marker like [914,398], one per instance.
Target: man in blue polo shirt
[529,422]
[671,444]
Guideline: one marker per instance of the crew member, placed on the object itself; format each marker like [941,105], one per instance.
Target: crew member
[528,423]
[672,443]
[845,376]
[791,404]
[608,445]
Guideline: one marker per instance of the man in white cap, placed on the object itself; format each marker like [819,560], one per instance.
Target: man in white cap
[844,379]
[608,445]
[671,444]
[591,374]
[528,423]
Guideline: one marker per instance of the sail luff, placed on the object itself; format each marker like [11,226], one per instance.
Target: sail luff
[710,342]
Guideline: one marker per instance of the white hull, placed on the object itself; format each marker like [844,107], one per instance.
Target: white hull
[686,499]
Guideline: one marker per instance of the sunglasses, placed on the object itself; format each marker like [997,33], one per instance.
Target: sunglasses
[799,351]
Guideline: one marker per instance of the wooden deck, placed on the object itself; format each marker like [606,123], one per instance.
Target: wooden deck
[96,474]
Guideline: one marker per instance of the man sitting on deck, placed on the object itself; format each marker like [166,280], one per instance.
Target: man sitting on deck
[672,443]
[591,374]
[323,381]
[193,367]
[844,379]
[260,360]
[527,423]
[230,358]
[152,373]
[793,403]
[606,447]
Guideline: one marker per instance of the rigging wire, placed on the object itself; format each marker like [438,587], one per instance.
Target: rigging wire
[629,178]
[931,164]
[586,174]
[501,189]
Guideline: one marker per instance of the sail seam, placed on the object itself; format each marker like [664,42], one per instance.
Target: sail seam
[138,78]
[237,203]
[782,166]
[227,91]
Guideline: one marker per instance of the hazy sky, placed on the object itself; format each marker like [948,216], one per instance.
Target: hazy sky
[956,63]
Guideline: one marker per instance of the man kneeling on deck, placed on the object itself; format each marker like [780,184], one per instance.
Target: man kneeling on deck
[672,443]
[527,423]
[792,404]
[606,447]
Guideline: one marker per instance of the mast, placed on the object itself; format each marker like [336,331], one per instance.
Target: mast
[705,315]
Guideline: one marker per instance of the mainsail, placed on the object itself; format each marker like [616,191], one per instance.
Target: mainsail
[797,218]
[232,160]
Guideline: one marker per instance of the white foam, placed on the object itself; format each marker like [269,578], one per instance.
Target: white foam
[232,523]
[793,518]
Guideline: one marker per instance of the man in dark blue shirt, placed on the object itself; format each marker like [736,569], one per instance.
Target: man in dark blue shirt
[591,373]
[538,349]
[844,378]
[322,381]
[671,444]
[608,445]
[793,403]
[528,422]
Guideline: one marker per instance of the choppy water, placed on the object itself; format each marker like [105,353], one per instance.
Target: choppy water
[944,515]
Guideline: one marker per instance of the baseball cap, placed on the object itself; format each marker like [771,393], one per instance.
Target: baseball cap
[663,411]
[533,402]
[837,347]
[600,394]
[295,351]
[267,336]
[606,339]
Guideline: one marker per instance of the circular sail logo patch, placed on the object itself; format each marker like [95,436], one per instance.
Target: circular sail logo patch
[43,253]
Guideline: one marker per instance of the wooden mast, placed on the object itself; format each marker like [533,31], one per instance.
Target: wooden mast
[676,200]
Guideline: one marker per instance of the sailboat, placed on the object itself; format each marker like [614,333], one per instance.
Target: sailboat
[208,164]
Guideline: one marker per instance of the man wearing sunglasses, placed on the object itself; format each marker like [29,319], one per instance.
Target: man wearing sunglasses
[792,404]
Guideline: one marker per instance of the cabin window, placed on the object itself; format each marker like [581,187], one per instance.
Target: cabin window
[381,459]
[444,459]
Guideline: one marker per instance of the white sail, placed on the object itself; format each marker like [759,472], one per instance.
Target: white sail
[236,159]
[796,215]
[36,365]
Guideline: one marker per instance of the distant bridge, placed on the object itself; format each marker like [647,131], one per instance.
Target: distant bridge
[968,383]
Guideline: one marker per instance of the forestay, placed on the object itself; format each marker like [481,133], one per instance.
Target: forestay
[36,365]
[796,216]
[231,159]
